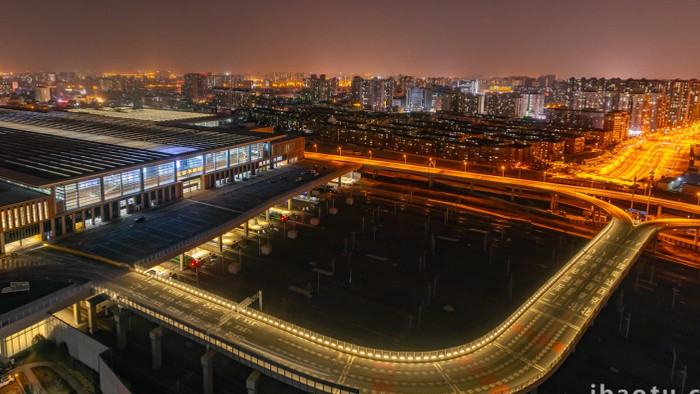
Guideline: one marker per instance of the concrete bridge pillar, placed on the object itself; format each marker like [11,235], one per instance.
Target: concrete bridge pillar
[121,322]
[289,204]
[267,215]
[431,181]
[659,209]
[221,243]
[76,314]
[654,242]
[156,336]
[512,193]
[253,382]
[208,359]
[182,262]
[91,315]
[695,239]
[340,183]
[554,203]
[245,228]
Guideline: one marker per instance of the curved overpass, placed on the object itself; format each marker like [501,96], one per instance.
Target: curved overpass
[515,356]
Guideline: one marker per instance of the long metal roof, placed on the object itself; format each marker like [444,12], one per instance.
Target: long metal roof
[40,149]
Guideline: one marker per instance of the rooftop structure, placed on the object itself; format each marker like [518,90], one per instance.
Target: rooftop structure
[147,114]
[86,169]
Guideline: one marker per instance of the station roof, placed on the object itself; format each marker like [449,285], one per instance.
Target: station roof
[40,149]
[12,194]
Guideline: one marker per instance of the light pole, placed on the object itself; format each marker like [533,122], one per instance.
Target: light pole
[404,159]
[340,151]
[316,148]
[503,171]
[370,154]
[465,165]
[544,176]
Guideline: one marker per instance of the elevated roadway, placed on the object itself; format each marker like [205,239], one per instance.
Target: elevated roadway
[515,356]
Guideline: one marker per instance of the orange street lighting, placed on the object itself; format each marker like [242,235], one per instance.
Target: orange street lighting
[503,171]
[370,154]
[340,151]
[404,159]
[316,148]
[465,165]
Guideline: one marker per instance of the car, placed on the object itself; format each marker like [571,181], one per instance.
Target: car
[299,179]
[6,381]
[140,219]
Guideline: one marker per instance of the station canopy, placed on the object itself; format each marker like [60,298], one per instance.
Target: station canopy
[40,149]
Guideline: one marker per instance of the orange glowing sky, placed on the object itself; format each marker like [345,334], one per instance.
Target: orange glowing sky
[625,38]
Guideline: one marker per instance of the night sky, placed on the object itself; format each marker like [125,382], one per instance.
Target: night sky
[624,38]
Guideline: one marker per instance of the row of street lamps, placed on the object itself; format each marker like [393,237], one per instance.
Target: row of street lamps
[432,163]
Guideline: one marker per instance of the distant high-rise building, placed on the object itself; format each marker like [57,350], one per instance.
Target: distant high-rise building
[5,87]
[641,112]
[500,103]
[321,88]
[357,90]
[42,94]
[678,99]
[194,87]
[419,99]
[530,106]
[618,123]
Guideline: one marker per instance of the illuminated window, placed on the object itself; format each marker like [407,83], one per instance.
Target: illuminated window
[221,159]
[150,177]
[131,182]
[209,164]
[166,173]
[69,195]
[89,192]
[112,186]
[188,168]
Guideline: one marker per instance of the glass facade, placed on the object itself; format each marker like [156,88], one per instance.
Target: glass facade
[69,195]
[150,177]
[131,182]
[209,164]
[258,151]
[112,186]
[90,192]
[221,160]
[190,167]
[166,173]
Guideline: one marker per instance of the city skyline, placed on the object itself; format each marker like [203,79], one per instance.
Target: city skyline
[625,39]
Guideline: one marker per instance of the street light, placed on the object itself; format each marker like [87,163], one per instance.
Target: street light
[340,151]
[503,171]
[544,176]
[465,165]
[316,148]
[370,154]
[404,159]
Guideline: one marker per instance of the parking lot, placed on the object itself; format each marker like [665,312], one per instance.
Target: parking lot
[388,268]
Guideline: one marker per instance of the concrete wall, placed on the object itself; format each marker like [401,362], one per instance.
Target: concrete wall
[109,381]
[80,346]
